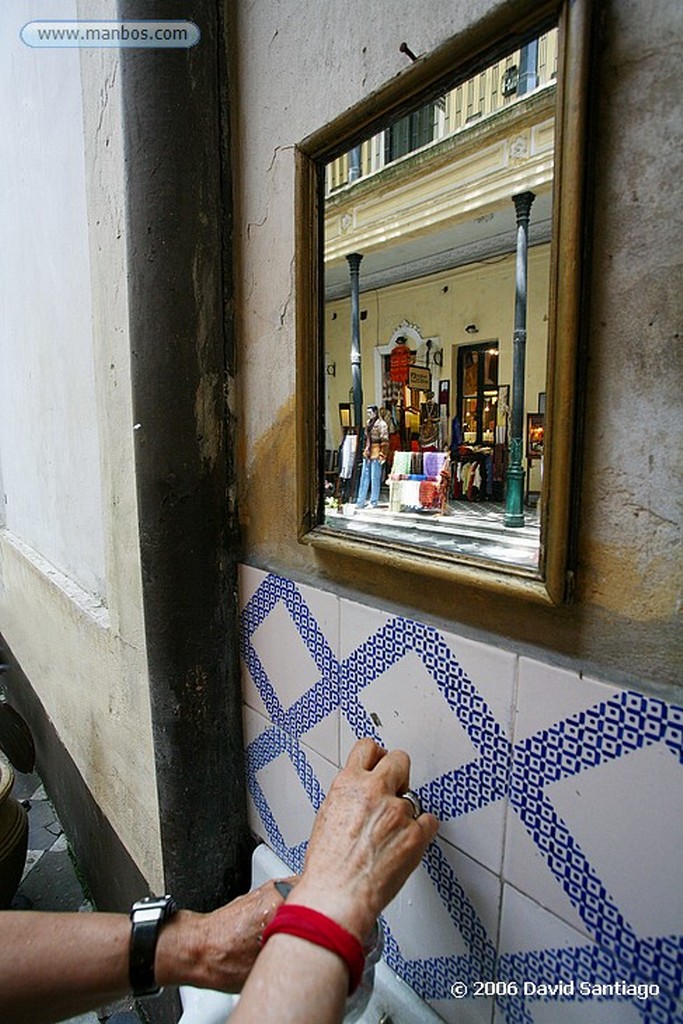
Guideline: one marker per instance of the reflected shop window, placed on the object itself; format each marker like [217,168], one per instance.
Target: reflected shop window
[438,331]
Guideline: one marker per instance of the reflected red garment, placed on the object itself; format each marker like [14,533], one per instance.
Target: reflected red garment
[400,359]
[429,494]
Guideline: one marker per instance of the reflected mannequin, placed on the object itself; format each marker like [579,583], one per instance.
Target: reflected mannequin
[374,456]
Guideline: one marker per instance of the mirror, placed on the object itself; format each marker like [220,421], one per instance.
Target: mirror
[444,235]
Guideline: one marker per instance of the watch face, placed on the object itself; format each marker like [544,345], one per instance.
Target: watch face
[153,908]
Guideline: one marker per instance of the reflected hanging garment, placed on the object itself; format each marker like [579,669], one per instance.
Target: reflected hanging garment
[400,359]
[348,456]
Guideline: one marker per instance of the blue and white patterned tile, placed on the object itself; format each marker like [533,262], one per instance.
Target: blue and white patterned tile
[527,870]
[554,974]
[448,702]
[579,748]
[590,789]
[286,783]
[290,638]
[248,582]
[473,900]
[620,805]
[441,929]
[546,696]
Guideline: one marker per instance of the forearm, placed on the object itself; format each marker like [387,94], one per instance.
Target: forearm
[294,982]
[70,963]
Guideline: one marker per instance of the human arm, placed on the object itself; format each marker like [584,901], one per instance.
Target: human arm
[57,965]
[364,845]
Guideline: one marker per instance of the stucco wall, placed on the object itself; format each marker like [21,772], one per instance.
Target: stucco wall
[624,620]
[70,596]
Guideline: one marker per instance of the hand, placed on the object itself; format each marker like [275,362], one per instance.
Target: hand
[365,842]
[217,949]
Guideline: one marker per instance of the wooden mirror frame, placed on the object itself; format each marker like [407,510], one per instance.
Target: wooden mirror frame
[480,44]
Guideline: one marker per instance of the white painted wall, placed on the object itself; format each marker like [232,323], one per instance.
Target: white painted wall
[50,463]
[70,588]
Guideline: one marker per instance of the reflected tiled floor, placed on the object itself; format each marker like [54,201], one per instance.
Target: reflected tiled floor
[51,880]
[472,529]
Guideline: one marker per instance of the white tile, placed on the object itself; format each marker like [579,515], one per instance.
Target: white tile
[526,869]
[284,793]
[410,710]
[586,1012]
[287,800]
[420,922]
[358,622]
[411,713]
[464,1011]
[526,927]
[627,816]
[437,914]
[289,642]
[479,834]
[572,1006]
[248,582]
[493,673]
[284,656]
[547,694]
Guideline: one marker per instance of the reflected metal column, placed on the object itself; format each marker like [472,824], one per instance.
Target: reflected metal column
[514,498]
[354,260]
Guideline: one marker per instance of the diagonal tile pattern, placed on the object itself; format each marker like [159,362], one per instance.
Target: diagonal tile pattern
[370,690]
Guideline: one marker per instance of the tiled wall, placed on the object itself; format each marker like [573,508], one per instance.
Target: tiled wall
[559,860]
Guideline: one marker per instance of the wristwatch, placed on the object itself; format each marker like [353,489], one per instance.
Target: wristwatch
[147,917]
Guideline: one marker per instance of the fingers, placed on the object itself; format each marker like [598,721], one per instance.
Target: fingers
[429,826]
[365,754]
[395,768]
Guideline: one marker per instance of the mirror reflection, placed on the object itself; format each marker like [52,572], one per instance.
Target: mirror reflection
[437,243]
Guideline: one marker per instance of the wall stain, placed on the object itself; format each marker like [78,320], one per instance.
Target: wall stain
[268,492]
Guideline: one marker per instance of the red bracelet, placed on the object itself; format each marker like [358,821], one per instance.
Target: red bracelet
[304,923]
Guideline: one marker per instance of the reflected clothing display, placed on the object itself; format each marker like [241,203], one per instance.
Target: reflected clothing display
[456,437]
[473,477]
[348,456]
[416,482]
[400,359]
[430,422]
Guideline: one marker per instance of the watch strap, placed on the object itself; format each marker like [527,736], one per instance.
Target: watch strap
[147,917]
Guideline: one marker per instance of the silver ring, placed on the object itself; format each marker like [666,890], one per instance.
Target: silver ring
[414,801]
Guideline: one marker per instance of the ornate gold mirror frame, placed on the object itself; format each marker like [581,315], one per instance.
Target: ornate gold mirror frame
[429,77]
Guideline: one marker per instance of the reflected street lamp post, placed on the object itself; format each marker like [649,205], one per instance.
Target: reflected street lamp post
[514,500]
[354,261]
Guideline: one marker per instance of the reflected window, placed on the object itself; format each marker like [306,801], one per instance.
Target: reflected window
[478,392]
[410,133]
